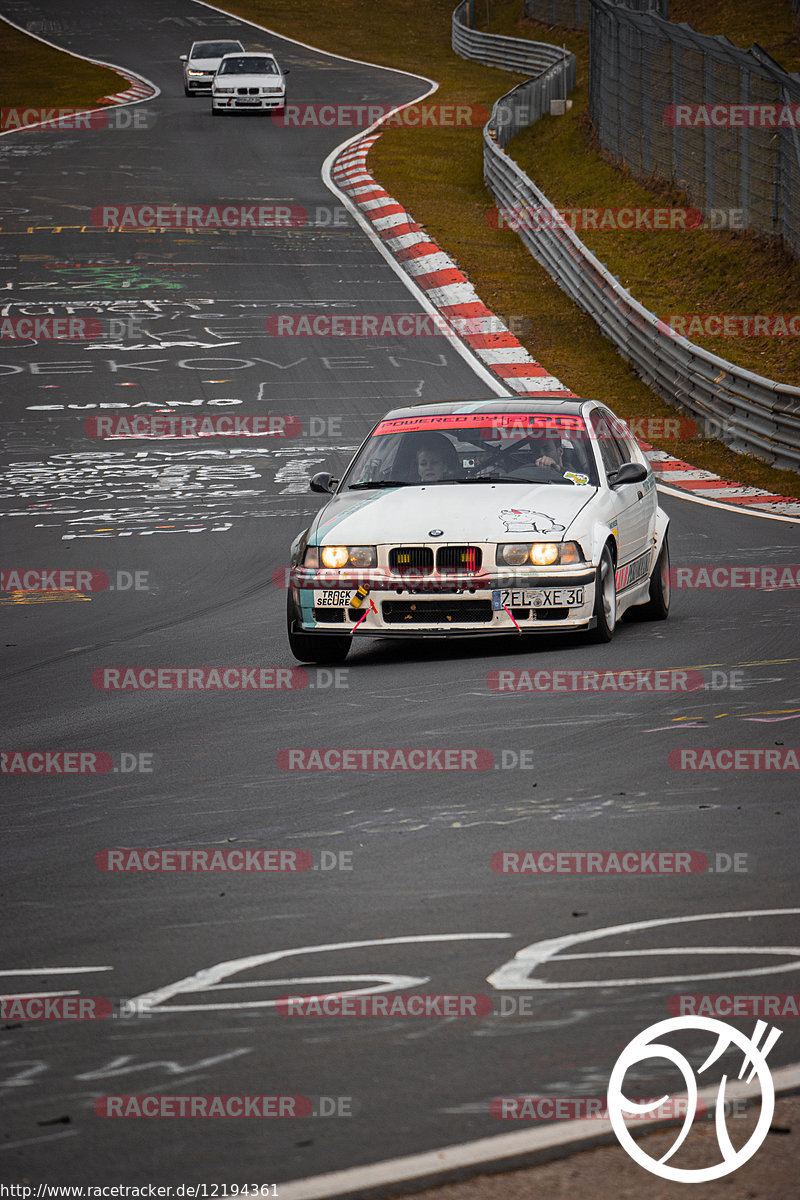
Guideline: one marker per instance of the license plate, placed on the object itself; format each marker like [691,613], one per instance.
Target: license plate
[247,103]
[537,598]
[332,599]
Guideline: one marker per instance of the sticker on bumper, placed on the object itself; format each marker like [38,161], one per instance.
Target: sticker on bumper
[333,599]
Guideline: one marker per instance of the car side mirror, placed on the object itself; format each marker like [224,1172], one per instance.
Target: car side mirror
[629,472]
[288,71]
[323,482]
[184,57]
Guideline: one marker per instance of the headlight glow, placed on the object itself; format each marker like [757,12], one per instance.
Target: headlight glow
[538,554]
[544,554]
[348,556]
[334,556]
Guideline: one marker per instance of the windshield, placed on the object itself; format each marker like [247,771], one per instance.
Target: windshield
[464,448]
[214,49]
[248,66]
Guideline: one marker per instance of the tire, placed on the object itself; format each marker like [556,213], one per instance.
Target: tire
[188,92]
[314,648]
[657,606]
[605,600]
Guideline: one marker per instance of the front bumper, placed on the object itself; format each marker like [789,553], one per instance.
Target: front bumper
[445,606]
[247,103]
[201,84]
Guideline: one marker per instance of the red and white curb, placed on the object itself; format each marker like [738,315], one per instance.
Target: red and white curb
[446,287]
[449,290]
[675,473]
[139,90]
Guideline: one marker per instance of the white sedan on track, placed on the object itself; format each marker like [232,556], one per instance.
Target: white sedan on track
[501,516]
[200,64]
[251,82]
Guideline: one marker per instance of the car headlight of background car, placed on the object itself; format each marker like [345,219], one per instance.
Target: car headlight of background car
[537,554]
[341,556]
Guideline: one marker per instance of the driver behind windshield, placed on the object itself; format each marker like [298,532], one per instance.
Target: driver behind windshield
[558,456]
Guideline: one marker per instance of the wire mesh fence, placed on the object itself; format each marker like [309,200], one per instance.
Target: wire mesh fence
[574,14]
[719,122]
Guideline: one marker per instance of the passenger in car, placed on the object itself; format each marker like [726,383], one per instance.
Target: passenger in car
[436,459]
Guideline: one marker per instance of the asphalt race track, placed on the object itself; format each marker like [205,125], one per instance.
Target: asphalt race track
[193,535]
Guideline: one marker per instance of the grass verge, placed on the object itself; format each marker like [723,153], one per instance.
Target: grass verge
[36,75]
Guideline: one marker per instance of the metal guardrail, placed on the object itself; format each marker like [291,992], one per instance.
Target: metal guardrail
[748,412]
[507,53]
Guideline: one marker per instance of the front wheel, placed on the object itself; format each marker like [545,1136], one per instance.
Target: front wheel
[314,648]
[657,606]
[605,600]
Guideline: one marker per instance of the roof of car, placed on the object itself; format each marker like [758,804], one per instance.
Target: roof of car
[498,404]
[219,41]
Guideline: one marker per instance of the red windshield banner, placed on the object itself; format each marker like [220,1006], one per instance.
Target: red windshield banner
[505,420]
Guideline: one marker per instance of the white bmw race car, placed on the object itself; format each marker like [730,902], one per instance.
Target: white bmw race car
[250,82]
[484,517]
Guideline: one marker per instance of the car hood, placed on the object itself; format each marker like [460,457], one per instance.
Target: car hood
[249,80]
[203,64]
[463,513]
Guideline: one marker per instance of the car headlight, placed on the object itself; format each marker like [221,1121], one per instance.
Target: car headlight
[537,554]
[199,74]
[346,556]
[223,91]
